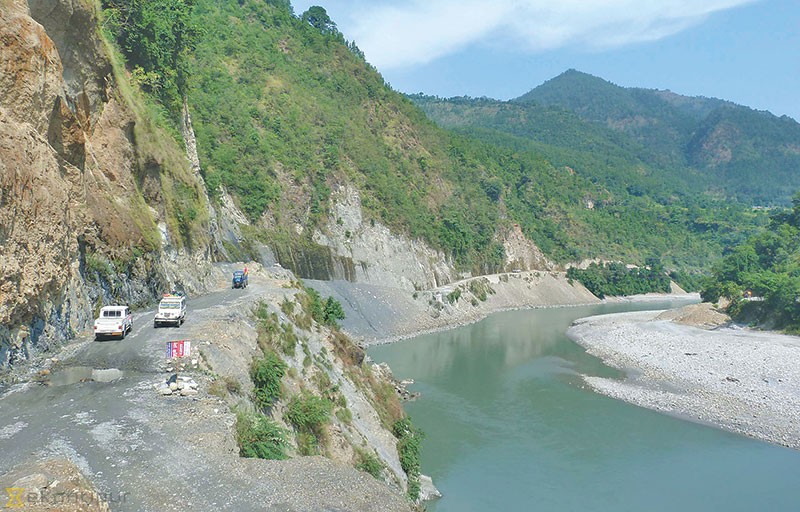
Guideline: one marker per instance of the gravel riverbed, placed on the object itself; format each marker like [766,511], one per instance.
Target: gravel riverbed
[739,379]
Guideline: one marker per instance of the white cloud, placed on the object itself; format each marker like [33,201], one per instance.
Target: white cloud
[400,34]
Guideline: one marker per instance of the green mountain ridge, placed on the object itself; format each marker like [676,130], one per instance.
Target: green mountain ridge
[286,111]
[748,155]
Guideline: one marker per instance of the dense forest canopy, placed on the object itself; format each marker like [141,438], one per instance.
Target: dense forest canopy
[603,279]
[761,277]
[748,155]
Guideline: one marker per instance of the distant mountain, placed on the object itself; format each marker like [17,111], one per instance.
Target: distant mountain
[614,158]
[748,155]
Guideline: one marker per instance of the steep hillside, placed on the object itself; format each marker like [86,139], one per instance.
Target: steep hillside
[754,155]
[339,174]
[95,199]
[748,155]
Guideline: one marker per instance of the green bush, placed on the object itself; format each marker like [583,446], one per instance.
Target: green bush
[453,296]
[267,374]
[409,445]
[309,413]
[370,463]
[325,312]
[259,437]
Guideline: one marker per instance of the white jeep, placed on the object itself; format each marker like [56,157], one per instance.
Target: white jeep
[113,321]
[171,310]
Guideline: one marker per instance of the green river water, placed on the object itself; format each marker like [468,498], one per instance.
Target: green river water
[509,426]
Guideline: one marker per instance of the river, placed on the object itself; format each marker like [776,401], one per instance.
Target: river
[510,426]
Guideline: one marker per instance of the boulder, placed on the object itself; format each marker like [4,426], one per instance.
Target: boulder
[428,491]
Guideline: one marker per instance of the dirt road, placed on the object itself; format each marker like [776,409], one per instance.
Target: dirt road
[148,452]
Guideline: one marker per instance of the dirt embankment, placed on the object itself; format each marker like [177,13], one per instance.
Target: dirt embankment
[377,314]
[741,380]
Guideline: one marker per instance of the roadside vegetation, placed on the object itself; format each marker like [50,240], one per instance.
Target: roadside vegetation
[297,395]
[309,414]
[260,437]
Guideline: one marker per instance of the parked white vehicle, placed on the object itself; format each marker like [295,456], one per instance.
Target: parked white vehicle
[171,310]
[113,321]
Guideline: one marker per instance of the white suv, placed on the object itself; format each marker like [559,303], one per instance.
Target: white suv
[171,310]
[113,321]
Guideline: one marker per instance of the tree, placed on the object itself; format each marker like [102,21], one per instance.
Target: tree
[318,18]
[157,37]
[333,311]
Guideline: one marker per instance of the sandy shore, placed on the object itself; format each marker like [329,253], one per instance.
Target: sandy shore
[741,380]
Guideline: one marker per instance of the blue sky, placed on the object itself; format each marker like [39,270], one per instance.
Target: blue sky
[746,51]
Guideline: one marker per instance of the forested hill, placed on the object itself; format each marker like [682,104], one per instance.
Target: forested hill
[287,113]
[748,155]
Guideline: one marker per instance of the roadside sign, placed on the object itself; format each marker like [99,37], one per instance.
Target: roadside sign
[180,348]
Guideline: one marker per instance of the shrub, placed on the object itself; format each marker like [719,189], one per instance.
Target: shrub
[308,412]
[259,437]
[409,444]
[326,312]
[266,374]
[453,296]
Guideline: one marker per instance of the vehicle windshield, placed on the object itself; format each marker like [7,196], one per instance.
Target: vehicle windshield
[238,273]
[112,314]
[170,305]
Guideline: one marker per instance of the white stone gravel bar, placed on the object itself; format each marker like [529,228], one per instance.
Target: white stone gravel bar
[742,380]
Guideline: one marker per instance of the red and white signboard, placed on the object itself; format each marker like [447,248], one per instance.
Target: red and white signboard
[181,348]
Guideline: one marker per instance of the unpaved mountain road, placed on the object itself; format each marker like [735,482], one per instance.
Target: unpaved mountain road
[146,452]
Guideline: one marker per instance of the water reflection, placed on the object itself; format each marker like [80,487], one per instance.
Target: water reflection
[509,427]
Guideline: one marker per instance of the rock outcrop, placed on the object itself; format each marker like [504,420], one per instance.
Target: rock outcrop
[369,252]
[76,226]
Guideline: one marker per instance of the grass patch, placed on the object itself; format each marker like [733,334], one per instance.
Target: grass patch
[370,463]
[344,415]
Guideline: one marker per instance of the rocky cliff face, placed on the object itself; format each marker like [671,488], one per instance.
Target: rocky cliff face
[75,225]
[371,253]
[368,252]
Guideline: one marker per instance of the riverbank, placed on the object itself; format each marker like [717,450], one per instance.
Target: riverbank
[741,380]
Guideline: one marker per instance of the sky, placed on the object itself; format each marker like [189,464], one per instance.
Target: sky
[745,51]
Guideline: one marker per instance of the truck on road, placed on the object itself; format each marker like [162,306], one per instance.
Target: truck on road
[239,279]
[113,321]
[171,310]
